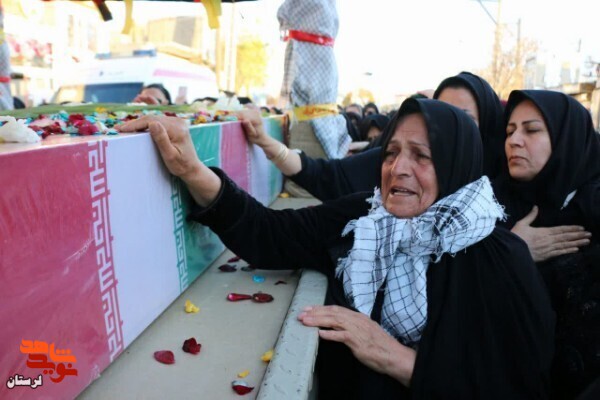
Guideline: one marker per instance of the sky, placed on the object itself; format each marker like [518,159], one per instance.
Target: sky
[401,46]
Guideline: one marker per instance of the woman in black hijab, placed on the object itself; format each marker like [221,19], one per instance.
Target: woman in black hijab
[370,109]
[373,126]
[354,126]
[488,114]
[554,163]
[430,293]
[352,121]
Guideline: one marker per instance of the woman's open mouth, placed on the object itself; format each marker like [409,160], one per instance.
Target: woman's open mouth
[400,191]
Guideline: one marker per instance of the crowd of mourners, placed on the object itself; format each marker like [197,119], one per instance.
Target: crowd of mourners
[461,243]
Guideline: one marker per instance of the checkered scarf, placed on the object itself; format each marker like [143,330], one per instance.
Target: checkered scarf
[396,253]
[311,73]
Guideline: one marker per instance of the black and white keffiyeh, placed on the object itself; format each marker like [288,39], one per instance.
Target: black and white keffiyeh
[396,252]
[311,73]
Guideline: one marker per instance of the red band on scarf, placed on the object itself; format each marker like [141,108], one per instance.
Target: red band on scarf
[309,37]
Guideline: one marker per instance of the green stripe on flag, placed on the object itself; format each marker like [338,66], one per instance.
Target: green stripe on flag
[197,246]
[207,141]
[275,130]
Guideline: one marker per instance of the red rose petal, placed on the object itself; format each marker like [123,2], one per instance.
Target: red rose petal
[164,356]
[281,283]
[234,259]
[241,387]
[238,297]
[227,268]
[76,117]
[191,346]
[85,127]
[262,297]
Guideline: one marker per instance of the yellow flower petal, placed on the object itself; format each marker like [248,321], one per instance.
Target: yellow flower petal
[190,307]
[243,374]
[267,356]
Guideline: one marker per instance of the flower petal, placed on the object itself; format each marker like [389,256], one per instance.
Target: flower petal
[244,373]
[164,356]
[191,346]
[241,387]
[262,297]
[238,297]
[267,356]
[190,307]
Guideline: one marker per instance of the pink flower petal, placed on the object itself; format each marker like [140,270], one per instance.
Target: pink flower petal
[238,297]
[164,356]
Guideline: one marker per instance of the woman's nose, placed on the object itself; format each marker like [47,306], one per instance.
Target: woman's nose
[401,166]
[516,138]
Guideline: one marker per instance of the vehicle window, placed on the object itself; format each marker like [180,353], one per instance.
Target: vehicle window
[112,93]
[98,93]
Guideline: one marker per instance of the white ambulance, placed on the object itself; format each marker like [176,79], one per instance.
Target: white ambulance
[112,79]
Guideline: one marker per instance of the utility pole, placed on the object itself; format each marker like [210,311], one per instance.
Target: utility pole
[497,47]
[518,62]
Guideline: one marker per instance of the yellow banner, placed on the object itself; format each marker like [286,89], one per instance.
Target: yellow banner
[128,17]
[305,113]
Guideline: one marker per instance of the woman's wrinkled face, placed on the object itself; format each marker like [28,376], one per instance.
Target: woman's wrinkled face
[463,99]
[408,180]
[528,146]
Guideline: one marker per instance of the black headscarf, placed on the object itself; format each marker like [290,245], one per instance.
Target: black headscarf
[354,120]
[352,126]
[573,165]
[454,140]
[378,120]
[370,105]
[490,118]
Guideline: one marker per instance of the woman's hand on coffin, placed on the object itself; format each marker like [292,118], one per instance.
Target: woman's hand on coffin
[367,340]
[252,123]
[172,138]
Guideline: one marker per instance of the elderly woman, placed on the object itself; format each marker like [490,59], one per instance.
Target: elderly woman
[433,300]
[554,164]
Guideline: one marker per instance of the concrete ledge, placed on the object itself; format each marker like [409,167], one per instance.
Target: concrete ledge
[290,373]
